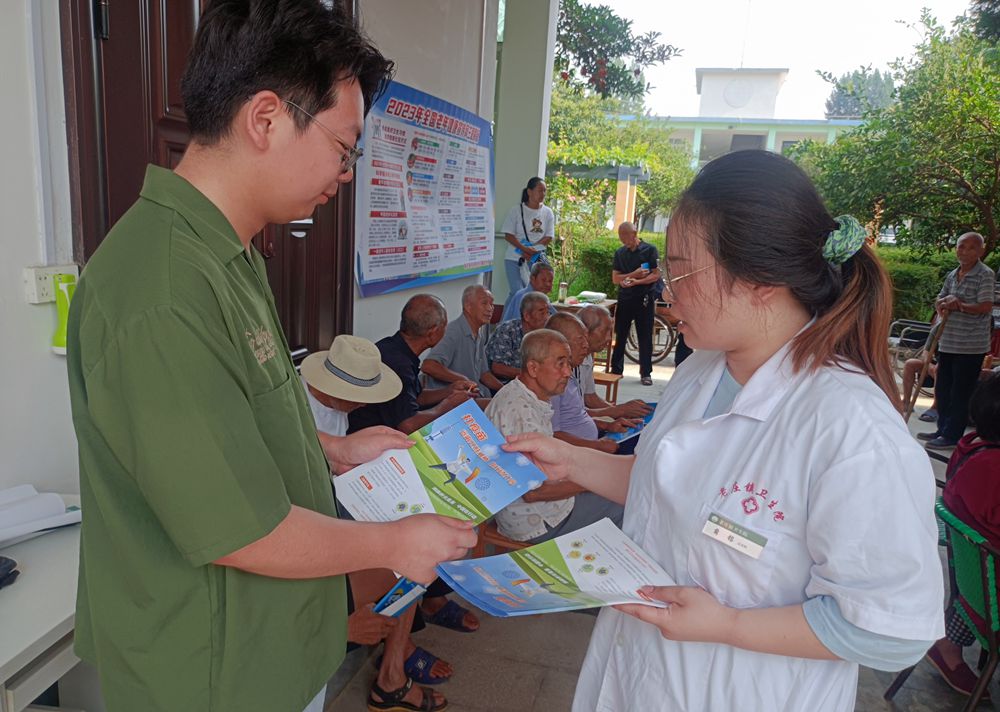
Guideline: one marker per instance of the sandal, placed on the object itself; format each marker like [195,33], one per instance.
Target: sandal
[418,667]
[450,615]
[393,701]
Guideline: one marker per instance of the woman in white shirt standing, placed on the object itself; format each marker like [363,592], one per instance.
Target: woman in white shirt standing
[528,228]
[777,483]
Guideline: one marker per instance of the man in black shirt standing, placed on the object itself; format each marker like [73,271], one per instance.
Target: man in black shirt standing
[635,270]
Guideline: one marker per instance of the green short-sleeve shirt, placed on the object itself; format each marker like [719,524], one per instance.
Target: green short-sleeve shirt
[195,439]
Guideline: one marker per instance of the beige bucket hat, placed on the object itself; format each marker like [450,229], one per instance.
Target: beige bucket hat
[351,370]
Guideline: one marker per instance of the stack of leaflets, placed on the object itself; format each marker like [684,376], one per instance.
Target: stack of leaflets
[633,432]
[26,513]
[591,567]
[457,469]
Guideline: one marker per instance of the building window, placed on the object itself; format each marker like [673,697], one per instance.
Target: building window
[744,142]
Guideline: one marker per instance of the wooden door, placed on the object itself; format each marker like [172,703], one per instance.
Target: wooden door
[122,62]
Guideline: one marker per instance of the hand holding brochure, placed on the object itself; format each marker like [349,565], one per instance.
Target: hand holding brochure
[456,468]
[594,566]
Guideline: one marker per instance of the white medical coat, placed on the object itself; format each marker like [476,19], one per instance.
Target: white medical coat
[824,467]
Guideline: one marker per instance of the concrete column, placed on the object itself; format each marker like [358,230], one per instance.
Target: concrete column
[771,134]
[831,135]
[624,199]
[696,148]
[524,93]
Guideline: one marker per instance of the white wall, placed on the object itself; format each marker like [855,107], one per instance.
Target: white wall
[446,48]
[37,444]
[740,94]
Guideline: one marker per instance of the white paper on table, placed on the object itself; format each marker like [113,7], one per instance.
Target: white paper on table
[25,512]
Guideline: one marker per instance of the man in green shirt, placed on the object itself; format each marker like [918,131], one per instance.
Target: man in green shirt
[212,561]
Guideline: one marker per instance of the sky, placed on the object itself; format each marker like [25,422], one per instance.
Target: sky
[800,35]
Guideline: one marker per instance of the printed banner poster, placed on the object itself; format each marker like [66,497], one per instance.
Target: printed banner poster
[424,193]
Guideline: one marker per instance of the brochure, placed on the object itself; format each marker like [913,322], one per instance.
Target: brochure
[632,432]
[594,566]
[456,468]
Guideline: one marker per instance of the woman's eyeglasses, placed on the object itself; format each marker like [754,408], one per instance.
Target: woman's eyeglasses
[668,280]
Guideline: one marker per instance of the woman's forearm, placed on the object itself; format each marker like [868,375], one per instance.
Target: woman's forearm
[602,473]
[779,631]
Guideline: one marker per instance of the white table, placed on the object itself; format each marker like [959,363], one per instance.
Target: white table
[37,616]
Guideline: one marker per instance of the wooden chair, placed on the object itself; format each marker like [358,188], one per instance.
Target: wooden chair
[976,599]
[488,534]
[610,383]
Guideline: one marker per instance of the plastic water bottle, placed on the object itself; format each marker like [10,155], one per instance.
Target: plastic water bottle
[563,292]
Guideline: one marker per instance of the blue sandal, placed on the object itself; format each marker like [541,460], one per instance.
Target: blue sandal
[450,615]
[418,667]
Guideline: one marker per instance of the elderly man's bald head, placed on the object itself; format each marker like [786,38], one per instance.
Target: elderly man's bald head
[472,292]
[627,235]
[972,237]
[421,314]
[594,316]
[969,249]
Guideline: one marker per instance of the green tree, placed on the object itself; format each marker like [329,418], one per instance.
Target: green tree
[586,130]
[930,163]
[857,92]
[597,51]
[986,16]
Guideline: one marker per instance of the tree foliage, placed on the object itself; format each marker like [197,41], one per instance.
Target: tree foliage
[857,92]
[596,50]
[930,163]
[986,16]
[590,131]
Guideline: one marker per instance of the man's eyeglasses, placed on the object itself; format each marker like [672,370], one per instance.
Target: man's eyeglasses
[668,280]
[347,160]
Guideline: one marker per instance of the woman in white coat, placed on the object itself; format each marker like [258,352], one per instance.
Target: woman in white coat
[777,483]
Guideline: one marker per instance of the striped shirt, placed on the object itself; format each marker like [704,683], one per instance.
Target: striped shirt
[968,333]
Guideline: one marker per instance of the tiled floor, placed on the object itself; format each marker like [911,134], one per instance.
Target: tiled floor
[530,664]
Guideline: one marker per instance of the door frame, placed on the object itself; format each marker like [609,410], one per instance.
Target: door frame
[87,169]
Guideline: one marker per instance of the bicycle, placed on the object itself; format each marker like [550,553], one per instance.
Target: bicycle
[664,335]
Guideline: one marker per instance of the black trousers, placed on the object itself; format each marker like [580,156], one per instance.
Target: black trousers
[681,351]
[956,379]
[641,312]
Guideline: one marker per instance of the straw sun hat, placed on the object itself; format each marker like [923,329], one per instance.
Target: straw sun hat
[351,370]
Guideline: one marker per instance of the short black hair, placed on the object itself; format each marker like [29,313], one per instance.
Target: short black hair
[984,407]
[298,49]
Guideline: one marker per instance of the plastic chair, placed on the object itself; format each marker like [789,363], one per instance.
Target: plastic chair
[489,535]
[975,573]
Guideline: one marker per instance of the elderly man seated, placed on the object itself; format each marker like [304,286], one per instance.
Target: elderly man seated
[540,280]
[421,327]
[522,406]
[600,326]
[570,420]
[461,354]
[504,348]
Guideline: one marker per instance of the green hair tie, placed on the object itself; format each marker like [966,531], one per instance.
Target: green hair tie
[844,242]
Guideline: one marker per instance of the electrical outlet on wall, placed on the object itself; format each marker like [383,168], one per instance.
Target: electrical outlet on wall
[38,287]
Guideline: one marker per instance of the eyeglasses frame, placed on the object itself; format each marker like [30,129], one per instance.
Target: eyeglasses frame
[353,153]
